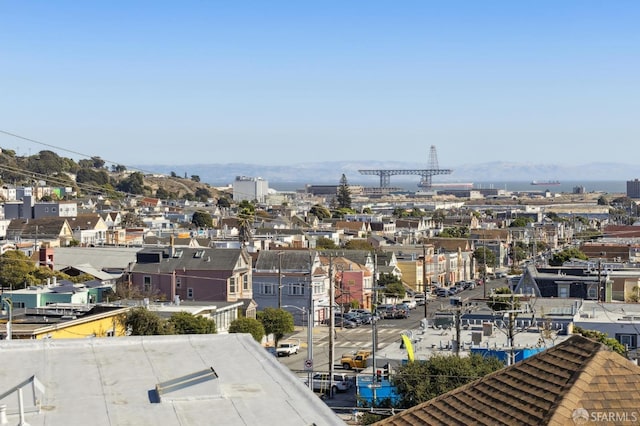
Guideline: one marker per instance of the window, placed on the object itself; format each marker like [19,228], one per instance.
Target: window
[630,341]
[245,282]
[268,289]
[563,290]
[232,285]
[146,283]
[592,292]
[296,290]
[189,293]
[178,282]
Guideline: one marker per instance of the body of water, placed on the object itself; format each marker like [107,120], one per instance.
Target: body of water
[610,187]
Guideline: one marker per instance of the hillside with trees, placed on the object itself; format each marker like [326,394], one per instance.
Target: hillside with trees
[94,176]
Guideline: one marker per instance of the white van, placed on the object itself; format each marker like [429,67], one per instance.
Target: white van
[340,383]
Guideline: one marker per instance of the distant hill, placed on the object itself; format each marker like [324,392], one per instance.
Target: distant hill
[330,172]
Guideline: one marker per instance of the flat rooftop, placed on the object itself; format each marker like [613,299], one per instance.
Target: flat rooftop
[155,380]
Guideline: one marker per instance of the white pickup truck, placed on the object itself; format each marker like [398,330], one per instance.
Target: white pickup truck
[287,348]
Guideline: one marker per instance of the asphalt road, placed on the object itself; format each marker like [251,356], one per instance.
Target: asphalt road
[351,340]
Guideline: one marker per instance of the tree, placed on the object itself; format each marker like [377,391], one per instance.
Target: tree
[17,270]
[395,289]
[118,168]
[454,232]
[277,322]
[342,212]
[502,300]
[142,322]
[248,325]
[484,256]
[324,243]
[202,194]
[187,323]
[245,221]
[195,178]
[520,222]
[92,177]
[319,211]
[131,219]
[420,381]
[633,295]
[344,194]
[393,286]
[163,194]
[558,259]
[202,219]
[46,163]
[358,245]
[223,202]
[133,184]
[98,162]
[399,212]
[602,201]
[603,338]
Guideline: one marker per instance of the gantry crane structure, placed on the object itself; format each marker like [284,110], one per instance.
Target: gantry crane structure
[426,174]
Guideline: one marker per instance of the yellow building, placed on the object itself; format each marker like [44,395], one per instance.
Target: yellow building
[55,322]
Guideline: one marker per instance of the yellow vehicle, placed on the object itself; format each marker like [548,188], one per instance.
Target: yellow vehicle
[356,361]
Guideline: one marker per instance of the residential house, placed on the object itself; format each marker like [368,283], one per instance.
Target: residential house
[112,219]
[577,381]
[354,284]
[621,250]
[67,209]
[150,204]
[222,313]
[64,321]
[198,274]
[4,224]
[114,261]
[293,280]
[52,231]
[561,284]
[353,229]
[89,229]
[64,291]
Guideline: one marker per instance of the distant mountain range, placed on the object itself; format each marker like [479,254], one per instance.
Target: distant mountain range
[330,172]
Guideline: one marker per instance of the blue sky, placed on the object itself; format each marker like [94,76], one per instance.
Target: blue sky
[155,82]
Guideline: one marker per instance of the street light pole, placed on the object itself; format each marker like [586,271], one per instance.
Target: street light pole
[9,304]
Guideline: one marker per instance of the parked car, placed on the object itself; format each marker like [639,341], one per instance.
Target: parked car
[340,383]
[385,311]
[357,361]
[420,298]
[353,316]
[401,310]
[288,348]
[340,322]
[411,303]
[442,292]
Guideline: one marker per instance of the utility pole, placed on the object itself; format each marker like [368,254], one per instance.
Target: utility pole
[332,325]
[310,324]
[424,280]
[374,330]
[484,269]
[279,280]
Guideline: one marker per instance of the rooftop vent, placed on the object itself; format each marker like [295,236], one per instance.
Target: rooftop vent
[201,384]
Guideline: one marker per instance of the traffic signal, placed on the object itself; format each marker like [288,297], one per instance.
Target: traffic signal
[378,375]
